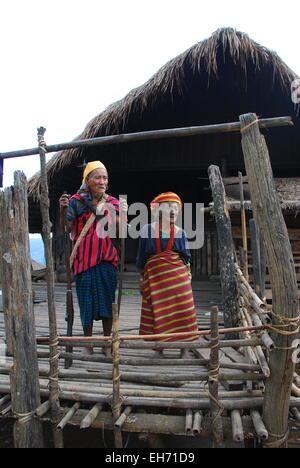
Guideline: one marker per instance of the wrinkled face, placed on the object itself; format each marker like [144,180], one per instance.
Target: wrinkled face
[169,210]
[97,181]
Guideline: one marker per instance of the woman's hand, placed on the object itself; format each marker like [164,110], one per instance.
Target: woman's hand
[64,201]
[141,284]
[123,205]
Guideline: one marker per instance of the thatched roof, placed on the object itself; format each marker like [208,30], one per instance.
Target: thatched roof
[196,70]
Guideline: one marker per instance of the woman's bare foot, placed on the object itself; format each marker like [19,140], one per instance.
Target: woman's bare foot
[185,354]
[88,350]
[158,354]
[107,352]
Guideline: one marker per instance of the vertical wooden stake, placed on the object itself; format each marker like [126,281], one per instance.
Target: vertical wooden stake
[244,227]
[226,255]
[116,399]
[16,264]
[258,259]
[54,355]
[268,214]
[213,381]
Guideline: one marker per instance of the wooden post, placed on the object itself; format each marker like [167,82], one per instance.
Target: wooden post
[116,398]
[226,255]
[258,259]
[53,341]
[244,228]
[213,379]
[17,292]
[268,214]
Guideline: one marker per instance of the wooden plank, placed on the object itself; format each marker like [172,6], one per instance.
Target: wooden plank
[19,302]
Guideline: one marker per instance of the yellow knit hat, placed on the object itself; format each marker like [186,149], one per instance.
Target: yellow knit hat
[90,167]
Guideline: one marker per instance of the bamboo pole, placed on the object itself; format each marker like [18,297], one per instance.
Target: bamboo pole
[267,212]
[91,416]
[105,388]
[68,416]
[296,413]
[116,376]
[258,424]
[18,300]
[297,379]
[197,423]
[237,426]
[43,409]
[140,344]
[53,342]
[99,339]
[184,403]
[149,135]
[4,400]
[188,421]
[119,423]
[99,358]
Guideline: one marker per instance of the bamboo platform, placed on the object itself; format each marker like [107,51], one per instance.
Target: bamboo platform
[163,396]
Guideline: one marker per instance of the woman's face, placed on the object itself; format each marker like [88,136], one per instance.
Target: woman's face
[169,210]
[97,181]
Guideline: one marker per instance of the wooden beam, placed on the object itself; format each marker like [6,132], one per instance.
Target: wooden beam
[226,255]
[149,135]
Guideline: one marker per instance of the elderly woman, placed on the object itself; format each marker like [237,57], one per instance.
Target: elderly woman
[95,259]
[163,260]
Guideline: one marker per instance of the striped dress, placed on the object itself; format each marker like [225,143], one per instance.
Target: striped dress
[95,261]
[168,304]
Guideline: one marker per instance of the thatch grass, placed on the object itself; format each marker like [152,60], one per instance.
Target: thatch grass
[202,59]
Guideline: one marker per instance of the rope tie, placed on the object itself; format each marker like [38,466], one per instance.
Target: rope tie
[118,377]
[277,443]
[285,322]
[216,345]
[120,402]
[42,143]
[54,378]
[213,374]
[23,418]
[221,407]
[249,125]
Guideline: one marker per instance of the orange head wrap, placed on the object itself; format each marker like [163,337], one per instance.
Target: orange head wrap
[169,197]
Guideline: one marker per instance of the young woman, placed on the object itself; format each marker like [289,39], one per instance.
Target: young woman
[96,258]
[163,260]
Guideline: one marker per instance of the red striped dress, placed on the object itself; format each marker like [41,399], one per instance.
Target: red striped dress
[168,304]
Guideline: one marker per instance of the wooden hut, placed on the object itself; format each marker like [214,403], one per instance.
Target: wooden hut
[214,81]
